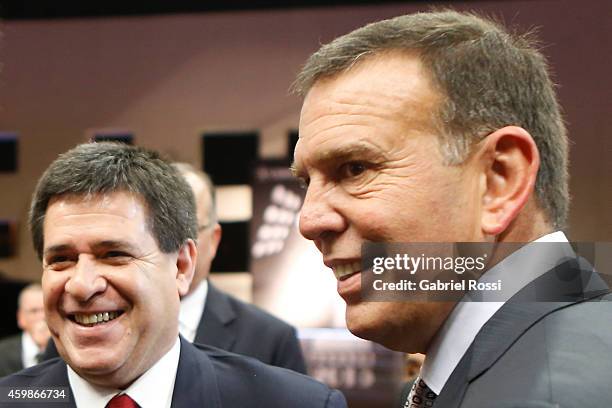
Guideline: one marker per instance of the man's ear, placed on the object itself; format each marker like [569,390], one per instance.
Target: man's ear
[215,239]
[185,265]
[511,161]
[21,320]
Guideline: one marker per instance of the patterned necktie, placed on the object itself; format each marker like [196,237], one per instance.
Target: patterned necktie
[121,401]
[421,396]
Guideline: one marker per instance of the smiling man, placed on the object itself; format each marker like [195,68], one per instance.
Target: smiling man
[115,227]
[444,127]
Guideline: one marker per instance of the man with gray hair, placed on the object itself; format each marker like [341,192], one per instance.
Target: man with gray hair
[115,228]
[24,350]
[210,316]
[445,127]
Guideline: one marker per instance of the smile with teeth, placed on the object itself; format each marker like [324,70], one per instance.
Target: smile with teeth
[95,319]
[344,270]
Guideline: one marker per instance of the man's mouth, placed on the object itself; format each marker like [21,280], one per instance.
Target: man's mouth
[94,319]
[343,271]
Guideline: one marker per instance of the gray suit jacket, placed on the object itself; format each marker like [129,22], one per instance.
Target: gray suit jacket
[552,353]
[10,355]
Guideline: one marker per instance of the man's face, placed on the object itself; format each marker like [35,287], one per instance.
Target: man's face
[111,295]
[209,234]
[369,153]
[31,316]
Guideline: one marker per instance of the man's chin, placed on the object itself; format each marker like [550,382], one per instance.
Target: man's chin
[365,321]
[380,323]
[91,362]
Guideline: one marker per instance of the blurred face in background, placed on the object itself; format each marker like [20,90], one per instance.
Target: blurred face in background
[31,316]
[209,231]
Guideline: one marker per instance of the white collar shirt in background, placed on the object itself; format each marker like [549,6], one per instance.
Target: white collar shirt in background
[29,350]
[192,308]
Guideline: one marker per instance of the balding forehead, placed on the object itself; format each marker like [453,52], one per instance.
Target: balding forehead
[390,83]
[202,194]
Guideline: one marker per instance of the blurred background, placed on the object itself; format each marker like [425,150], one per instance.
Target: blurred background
[207,83]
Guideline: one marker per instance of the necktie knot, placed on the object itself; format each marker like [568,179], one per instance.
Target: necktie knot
[121,401]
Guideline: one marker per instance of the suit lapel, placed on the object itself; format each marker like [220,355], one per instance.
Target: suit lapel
[55,376]
[571,282]
[452,393]
[59,375]
[196,380]
[215,327]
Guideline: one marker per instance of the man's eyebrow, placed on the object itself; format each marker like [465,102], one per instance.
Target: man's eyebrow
[341,153]
[57,248]
[113,244]
[102,245]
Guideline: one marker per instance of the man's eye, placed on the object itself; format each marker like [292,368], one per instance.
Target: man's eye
[115,254]
[352,169]
[57,259]
[58,262]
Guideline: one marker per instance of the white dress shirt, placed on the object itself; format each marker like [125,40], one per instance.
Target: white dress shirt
[467,318]
[153,389]
[192,308]
[29,350]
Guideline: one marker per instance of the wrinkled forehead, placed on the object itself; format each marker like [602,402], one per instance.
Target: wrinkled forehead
[392,85]
[376,105]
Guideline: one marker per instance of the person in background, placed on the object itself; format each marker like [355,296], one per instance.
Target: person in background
[115,228]
[210,316]
[445,127]
[24,350]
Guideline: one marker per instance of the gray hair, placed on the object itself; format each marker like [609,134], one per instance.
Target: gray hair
[103,168]
[186,168]
[488,76]
[32,287]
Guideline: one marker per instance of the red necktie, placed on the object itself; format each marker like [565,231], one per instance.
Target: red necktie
[121,401]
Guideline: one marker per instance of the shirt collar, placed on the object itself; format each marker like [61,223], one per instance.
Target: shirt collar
[467,318]
[192,308]
[151,388]
[29,350]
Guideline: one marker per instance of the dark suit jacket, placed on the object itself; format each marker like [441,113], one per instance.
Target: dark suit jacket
[10,355]
[552,353]
[232,325]
[206,377]
[229,324]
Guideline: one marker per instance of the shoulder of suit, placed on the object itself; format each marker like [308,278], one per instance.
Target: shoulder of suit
[575,336]
[257,315]
[10,340]
[29,375]
[239,376]
[228,364]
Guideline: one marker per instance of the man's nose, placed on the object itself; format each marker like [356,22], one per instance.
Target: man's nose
[85,281]
[319,216]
